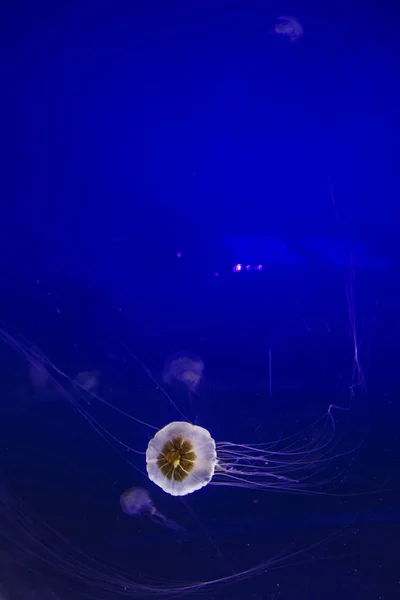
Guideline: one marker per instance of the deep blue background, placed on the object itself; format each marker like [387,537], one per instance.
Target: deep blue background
[133,133]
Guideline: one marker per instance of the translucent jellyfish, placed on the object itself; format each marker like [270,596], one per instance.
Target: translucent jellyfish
[184,369]
[39,378]
[38,375]
[182,458]
[289,27]
[88,380]
[137,502]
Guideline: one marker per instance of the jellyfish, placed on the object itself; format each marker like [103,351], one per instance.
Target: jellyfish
[184,369]
[88,380]
[182,458]
[137,502]
[38,375]
[39,378]
[289,27]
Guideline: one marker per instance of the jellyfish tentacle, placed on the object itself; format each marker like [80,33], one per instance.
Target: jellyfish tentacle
[159,519]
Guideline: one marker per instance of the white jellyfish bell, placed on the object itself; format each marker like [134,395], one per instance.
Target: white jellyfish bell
[181,458]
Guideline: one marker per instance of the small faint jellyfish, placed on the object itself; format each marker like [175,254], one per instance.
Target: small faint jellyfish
[290,27]
[88,380]
[41,381]
[38,375]
[184,369]
[136,502]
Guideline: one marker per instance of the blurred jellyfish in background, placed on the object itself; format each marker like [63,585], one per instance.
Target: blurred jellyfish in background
[136,502]
[290,27]
[43,386]
[183,369]
[38,375]
[40,381]
[88,380]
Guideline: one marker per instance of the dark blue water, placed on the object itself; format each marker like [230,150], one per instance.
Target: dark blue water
[177,178]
